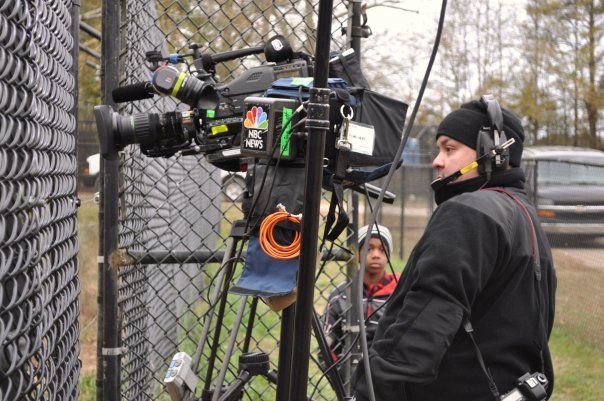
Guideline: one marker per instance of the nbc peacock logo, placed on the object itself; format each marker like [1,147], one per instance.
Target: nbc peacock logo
[256,118]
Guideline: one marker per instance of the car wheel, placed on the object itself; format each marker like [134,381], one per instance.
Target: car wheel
[233,187]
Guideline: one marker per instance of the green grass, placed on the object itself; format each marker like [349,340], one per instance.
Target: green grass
[578,366]
[87,387]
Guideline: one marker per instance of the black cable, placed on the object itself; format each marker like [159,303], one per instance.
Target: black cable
[272,152]
[397,157]
[222,266]
[335,364]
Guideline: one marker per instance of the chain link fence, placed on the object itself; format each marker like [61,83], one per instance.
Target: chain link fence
[568,191]
[39,286]
[176,216]
[172,210]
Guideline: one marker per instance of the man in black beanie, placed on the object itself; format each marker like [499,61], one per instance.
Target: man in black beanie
[475,308]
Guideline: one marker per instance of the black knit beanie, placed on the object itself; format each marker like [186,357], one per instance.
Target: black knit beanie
[464,124]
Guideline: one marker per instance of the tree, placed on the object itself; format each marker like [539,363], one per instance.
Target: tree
[567,52]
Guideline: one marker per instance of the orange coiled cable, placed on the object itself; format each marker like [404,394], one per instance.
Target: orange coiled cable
[267,241]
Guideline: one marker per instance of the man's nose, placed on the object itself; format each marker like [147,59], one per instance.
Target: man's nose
[437,163]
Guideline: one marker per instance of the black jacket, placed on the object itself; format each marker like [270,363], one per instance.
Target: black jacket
[475,261]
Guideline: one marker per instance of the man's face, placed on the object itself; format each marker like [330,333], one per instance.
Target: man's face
[376,258]
[452,156]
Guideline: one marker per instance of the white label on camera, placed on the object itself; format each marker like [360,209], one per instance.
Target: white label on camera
[361,138]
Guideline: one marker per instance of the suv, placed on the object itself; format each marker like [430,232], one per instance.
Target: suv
[233,184]
[566,185]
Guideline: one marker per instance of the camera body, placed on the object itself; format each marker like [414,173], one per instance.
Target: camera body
[530,387]
[213,122]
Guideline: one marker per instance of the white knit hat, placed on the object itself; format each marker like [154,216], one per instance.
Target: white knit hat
[378,230]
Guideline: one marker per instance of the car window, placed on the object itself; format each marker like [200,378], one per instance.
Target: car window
[569,173]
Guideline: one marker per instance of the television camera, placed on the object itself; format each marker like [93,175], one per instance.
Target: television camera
[253,115]
[216,116]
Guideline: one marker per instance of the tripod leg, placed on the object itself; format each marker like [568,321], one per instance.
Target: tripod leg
[250,326]
[217,331]
[229,350]
[226,266]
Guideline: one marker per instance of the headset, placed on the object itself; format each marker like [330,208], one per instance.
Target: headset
[492,146]
[492,137]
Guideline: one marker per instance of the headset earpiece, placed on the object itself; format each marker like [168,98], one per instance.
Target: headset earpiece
[491,137]
[484,144]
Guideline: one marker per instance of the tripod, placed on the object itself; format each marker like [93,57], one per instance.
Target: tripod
[250,364]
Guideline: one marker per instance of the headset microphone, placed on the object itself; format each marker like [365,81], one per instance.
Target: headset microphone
[495,152]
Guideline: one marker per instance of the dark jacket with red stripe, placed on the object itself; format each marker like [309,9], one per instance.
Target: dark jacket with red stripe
[338,305]
[476,261]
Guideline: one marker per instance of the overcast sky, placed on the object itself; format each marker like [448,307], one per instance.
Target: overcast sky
[391,27]
[394,20]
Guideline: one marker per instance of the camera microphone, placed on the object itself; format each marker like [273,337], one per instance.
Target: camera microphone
[278,49]
[130,93]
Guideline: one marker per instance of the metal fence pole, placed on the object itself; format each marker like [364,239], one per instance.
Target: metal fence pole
[318,124]
[351,272]
[352,265]
[75,53]
[356,28]
[109,347]
[285,354]
[401,251]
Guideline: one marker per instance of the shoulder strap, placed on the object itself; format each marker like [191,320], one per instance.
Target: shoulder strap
[531,223]
[492,386]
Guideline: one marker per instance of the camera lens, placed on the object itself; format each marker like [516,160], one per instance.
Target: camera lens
[137,128]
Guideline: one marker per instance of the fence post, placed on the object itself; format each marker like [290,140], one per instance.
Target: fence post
[108,343]
[352,265]
[401,250]
[75,54]
[351,272]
